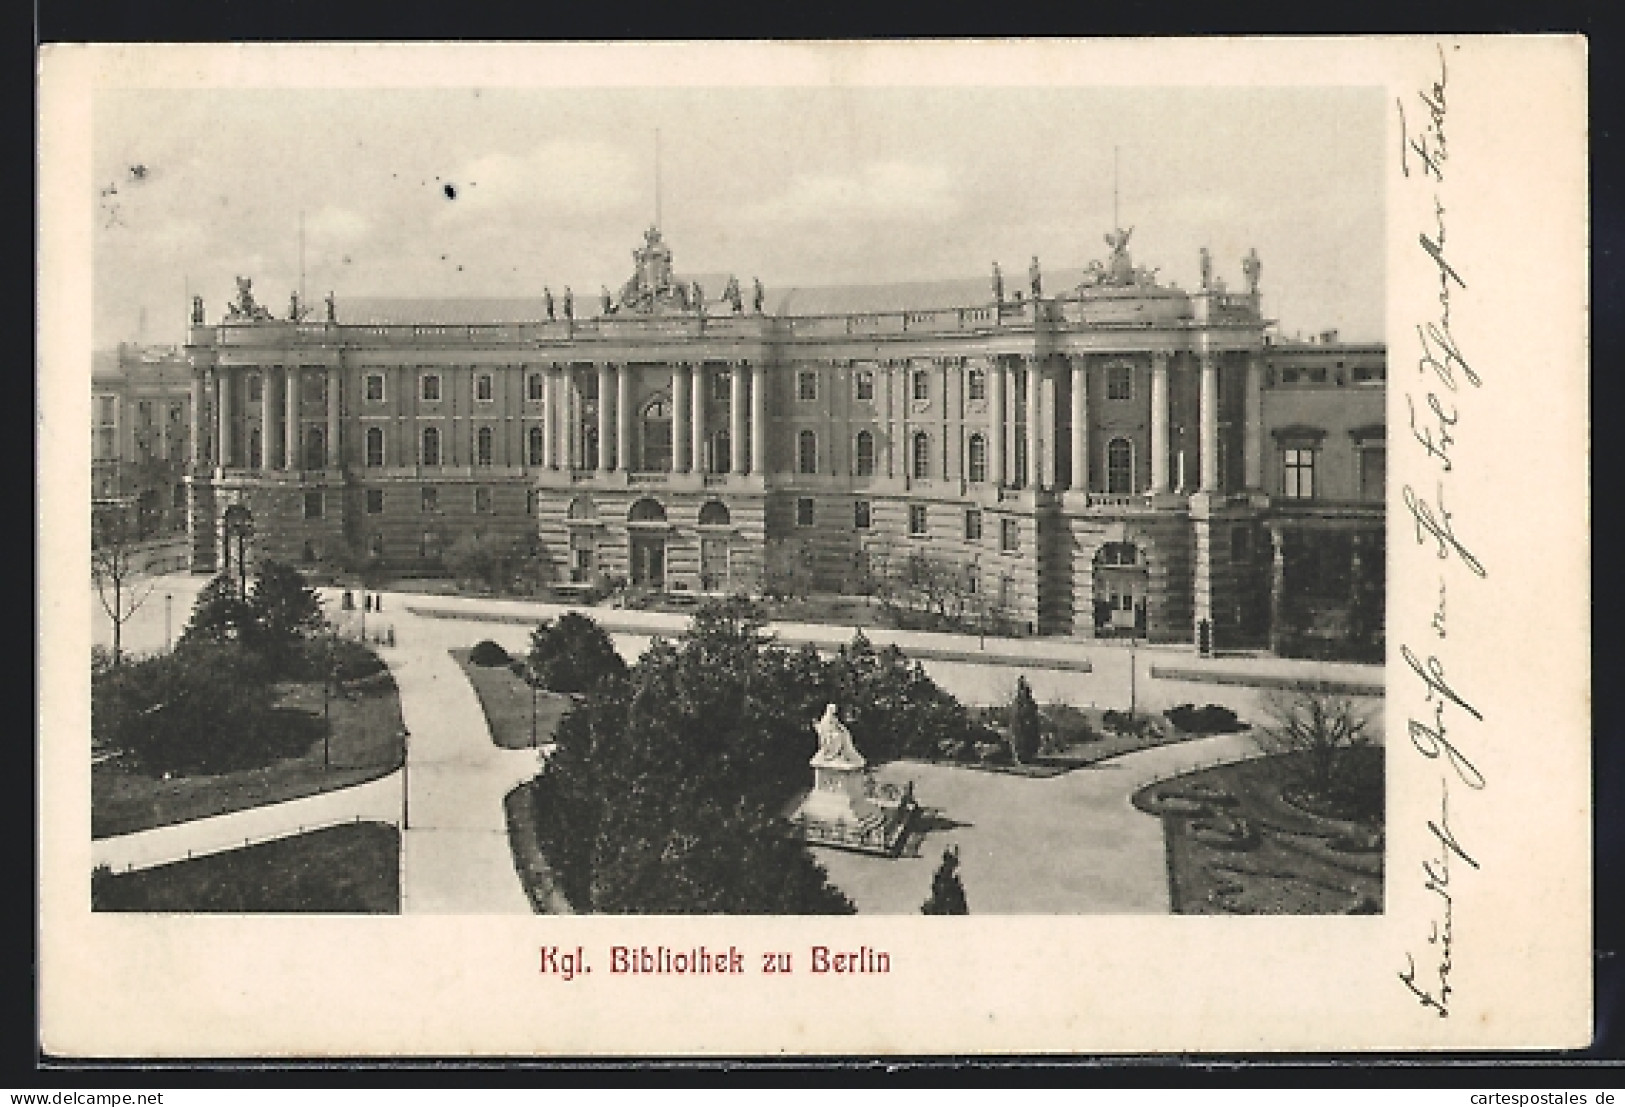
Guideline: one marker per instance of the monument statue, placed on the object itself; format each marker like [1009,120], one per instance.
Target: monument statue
[998,284]
[1252,267]
[1035,279]
[1207,268]
[197,310]
[835,742]
[760,295]
[845,807]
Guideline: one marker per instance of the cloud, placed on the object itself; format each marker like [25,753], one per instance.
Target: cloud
[562,178]
[885,191]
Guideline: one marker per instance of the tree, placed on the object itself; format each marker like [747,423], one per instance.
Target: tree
[1024,722]
[573,654]
[1321,728]
[116,569]
[219,616]
[947,891]
[283,605]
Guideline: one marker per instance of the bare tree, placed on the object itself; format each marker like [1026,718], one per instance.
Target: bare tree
[117,569]
[1321,726]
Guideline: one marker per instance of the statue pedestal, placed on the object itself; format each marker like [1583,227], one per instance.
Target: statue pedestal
[839,798]
[845,807]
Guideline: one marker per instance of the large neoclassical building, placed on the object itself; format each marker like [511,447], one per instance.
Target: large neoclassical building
[1096,453]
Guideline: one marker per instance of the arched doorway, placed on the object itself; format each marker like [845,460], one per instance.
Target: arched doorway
[716,522]
[646,537]
[1121,576]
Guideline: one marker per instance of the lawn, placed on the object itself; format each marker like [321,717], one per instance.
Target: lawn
[352,869]
[506,701]
[365,744]
[1237,846]
[528,859]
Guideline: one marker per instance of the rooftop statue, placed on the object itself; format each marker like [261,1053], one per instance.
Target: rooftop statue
[294,312]
[1120,268]
[197,310]
[1207,268]
[835,741]
[731,294]
[998,284]
[569,303]
[760,296]
[547,302]
[606,305]
[244,307]
[332,309]
[1252,267]
[1035,278]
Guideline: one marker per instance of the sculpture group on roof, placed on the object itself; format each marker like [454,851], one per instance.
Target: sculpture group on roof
[245,308]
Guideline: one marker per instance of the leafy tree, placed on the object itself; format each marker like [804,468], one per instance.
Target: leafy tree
[117,569]
[1024,722]
[284,609]
[498,564]
[947,890]
[573,654]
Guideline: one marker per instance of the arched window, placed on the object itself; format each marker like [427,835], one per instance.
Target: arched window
[807,452]
[714,513]
[315,449]
[1119,466]
[657,438]
[484,445]
[534,440]
[646,510]
[865,453]
[375,447]
[976,459]
[582,507]
[922,455]
[431,446]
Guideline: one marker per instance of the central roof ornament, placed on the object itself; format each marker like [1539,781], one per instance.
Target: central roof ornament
[1119,270]
[652,288]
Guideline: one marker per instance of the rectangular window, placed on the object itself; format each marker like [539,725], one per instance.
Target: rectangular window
[860,515]
[973,525]
[482,500]
[375,501]
[922,384]
[106,410]
[582,550]
[431,499]
[431,387]
[713,564]
[144,410]
[535,386]
[721,384]
[255,388]
[313,505]
[1120,382]
[916,519]
[1298,473]
[804,511]
[863,383]
[484,388]
[1290,375]
[807,385]
[375,388]
[1010,536]
[976,384]
[532,498]
[1373,472]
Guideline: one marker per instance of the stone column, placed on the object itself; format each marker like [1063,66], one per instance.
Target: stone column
[697,383]
[736,418]
[267,419]
[223,413]
[623,417]
[679,418]
[335,458]
[1253,430]
[995,422]
[1277,587]
[1208,404]
[290,420]
[194,423]
[549,418]
[1080,423]
[1052,429]
[1035,421]
[1159,422]
[758,418]
[603,418]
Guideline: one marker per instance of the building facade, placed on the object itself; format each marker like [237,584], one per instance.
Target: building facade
[1116,457]
[141,426]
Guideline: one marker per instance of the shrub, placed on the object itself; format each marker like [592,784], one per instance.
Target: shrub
[354,660]
[952,749]
[574,654]
[1023,722]
[992,753]
[1210,719]
[947,890]
[488,654]
[1121,722]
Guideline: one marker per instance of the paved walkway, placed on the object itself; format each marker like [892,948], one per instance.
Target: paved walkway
[375,801]
[1069,844]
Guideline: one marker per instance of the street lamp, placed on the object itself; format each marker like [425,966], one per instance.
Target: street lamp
[406,785]
[530,679]
[167,600]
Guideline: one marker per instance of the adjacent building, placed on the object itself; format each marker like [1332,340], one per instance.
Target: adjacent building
[1093,454]
[141,428]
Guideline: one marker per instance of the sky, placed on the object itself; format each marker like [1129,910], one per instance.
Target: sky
[497,192]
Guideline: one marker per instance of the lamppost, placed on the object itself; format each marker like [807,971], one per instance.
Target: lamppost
[329,678]
[168,598]
[239,524]
[406,784]
[530,679]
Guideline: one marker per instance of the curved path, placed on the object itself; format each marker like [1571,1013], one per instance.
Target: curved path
[1068,844]
[375,801]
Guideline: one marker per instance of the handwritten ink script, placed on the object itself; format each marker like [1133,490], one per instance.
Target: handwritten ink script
[1439,399]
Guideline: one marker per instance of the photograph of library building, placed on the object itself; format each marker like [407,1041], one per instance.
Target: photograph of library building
[1091,452]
